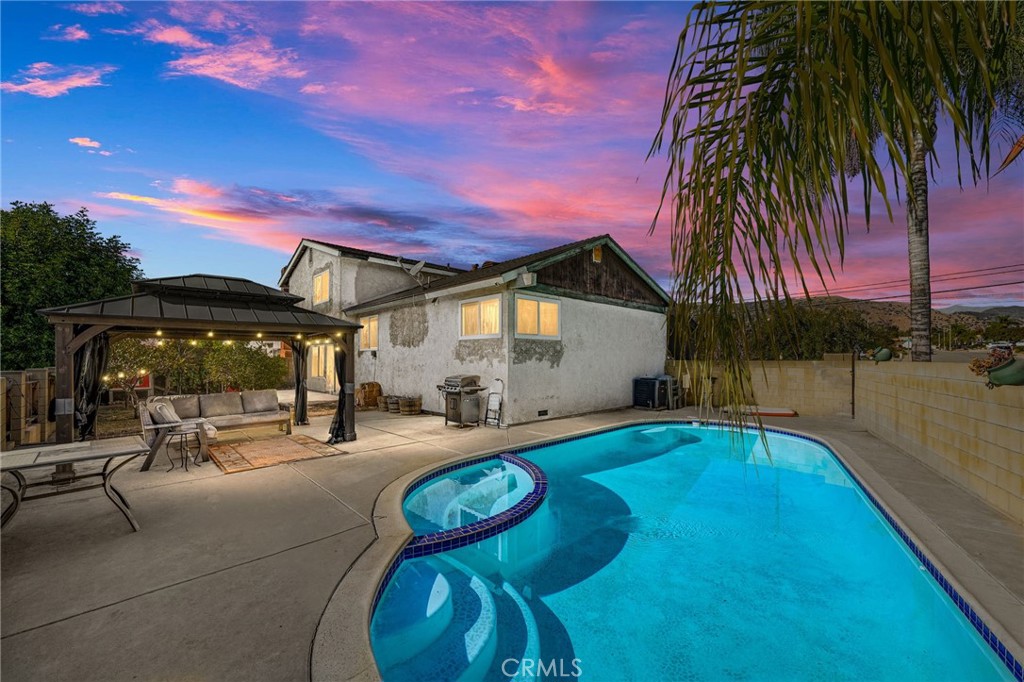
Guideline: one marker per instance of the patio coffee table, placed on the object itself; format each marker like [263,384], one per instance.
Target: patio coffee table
[16,461]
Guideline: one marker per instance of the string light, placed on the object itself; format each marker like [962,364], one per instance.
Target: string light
[120,375]
[106,378]
[259,335]
[193,342]
[210,334]
[228,342]
[159,332]
[142,372]
[298,337]
[160,342]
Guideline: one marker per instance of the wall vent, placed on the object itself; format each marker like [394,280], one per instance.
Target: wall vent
[542,413]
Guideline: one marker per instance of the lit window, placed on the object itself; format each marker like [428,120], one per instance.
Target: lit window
[322,287]
[481,318]
[537,317]
[368,334]
[598,253]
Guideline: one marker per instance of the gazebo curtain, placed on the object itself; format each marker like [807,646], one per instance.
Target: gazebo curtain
[90,364]
[337,433]
[300,364]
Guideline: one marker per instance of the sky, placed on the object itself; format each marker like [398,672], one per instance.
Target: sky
[212,137]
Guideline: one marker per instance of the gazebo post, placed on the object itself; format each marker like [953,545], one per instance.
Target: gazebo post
[349,387]
[64,389]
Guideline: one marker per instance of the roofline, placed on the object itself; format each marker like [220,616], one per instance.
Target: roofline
[360,254]
[510,274]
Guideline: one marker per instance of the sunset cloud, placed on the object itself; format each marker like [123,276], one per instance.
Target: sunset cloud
[83,142]
[247,64]
[154,31]
[94,9]
[63,80]
[67,34]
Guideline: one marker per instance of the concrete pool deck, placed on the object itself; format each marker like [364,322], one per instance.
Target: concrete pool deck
[230,574]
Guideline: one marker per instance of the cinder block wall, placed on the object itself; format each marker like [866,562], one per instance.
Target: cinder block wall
[818,388]
[944,416]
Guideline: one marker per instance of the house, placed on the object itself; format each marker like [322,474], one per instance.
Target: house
[559,332]
[331,278]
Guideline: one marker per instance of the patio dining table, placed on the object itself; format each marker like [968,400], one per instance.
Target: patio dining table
[110,449]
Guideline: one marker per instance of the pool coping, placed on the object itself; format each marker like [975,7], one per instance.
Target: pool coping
[341,647]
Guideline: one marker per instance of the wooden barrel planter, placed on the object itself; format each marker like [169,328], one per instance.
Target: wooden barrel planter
[382,403]
[410,406]
[393,403]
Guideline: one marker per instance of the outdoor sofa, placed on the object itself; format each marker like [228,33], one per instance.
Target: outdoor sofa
[225,411]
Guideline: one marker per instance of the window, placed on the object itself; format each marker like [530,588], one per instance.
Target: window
[322,287]
[598,252]
[537,317]
[321,364]
[481,318]
[368,334]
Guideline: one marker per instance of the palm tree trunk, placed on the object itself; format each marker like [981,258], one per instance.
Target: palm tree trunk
[920,266]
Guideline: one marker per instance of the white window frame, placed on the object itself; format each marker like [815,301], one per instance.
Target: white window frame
[327,292]
[479,299]
[539,300]
[364,321]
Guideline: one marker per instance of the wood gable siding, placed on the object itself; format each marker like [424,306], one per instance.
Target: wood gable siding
[611,278]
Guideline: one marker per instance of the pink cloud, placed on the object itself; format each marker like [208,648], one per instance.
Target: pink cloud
[67,34]
[247,63]
[94,9]
[83,142]
[154,31]
[195,188]
[313,89]
[30,81]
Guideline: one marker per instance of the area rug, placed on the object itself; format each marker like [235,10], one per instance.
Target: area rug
[267,452]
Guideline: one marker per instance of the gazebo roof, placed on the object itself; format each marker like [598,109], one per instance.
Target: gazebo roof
[229,307]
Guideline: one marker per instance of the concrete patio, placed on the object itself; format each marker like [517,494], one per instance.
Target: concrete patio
[230,574]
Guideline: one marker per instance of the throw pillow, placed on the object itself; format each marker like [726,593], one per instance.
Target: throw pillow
[163,413]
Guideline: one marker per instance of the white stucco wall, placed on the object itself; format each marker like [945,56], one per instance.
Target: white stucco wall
[352,280]
[418,346]
[603,347]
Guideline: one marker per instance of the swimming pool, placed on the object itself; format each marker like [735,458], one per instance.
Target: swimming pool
[674,551]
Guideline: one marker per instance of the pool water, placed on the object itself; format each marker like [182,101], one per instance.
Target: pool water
[680,553]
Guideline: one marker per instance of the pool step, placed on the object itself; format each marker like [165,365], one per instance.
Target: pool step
[417,615]
[464,649]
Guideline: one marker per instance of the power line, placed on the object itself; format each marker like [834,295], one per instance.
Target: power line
[949,276]
[943,291]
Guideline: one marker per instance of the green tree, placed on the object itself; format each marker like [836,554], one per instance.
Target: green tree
[243,366]
[1004,328]
[49,260]
[130,361]
[774,107]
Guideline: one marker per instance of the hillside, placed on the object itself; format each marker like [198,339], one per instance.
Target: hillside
[897,314]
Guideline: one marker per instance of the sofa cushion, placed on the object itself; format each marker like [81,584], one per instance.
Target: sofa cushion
[186,406]
[220,404]
[234,421]
[163,412]
[259,401]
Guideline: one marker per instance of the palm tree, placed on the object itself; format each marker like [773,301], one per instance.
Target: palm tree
[774,108]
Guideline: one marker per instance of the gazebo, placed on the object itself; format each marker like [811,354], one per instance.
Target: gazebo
[207,307]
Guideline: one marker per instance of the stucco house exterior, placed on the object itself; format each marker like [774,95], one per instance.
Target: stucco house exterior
[559,332]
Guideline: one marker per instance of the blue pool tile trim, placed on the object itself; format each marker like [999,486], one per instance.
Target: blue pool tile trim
[1015,667]
[463,536]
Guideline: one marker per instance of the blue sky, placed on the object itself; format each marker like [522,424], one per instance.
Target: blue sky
[214,136]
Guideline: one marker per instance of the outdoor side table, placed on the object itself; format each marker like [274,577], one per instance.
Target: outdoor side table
[182,434]
[16,461]
[163,431]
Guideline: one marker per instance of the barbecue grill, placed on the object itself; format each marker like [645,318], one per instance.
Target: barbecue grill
[461,402]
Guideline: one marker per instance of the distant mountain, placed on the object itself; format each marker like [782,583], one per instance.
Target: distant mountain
[1013,311]
[898,314]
